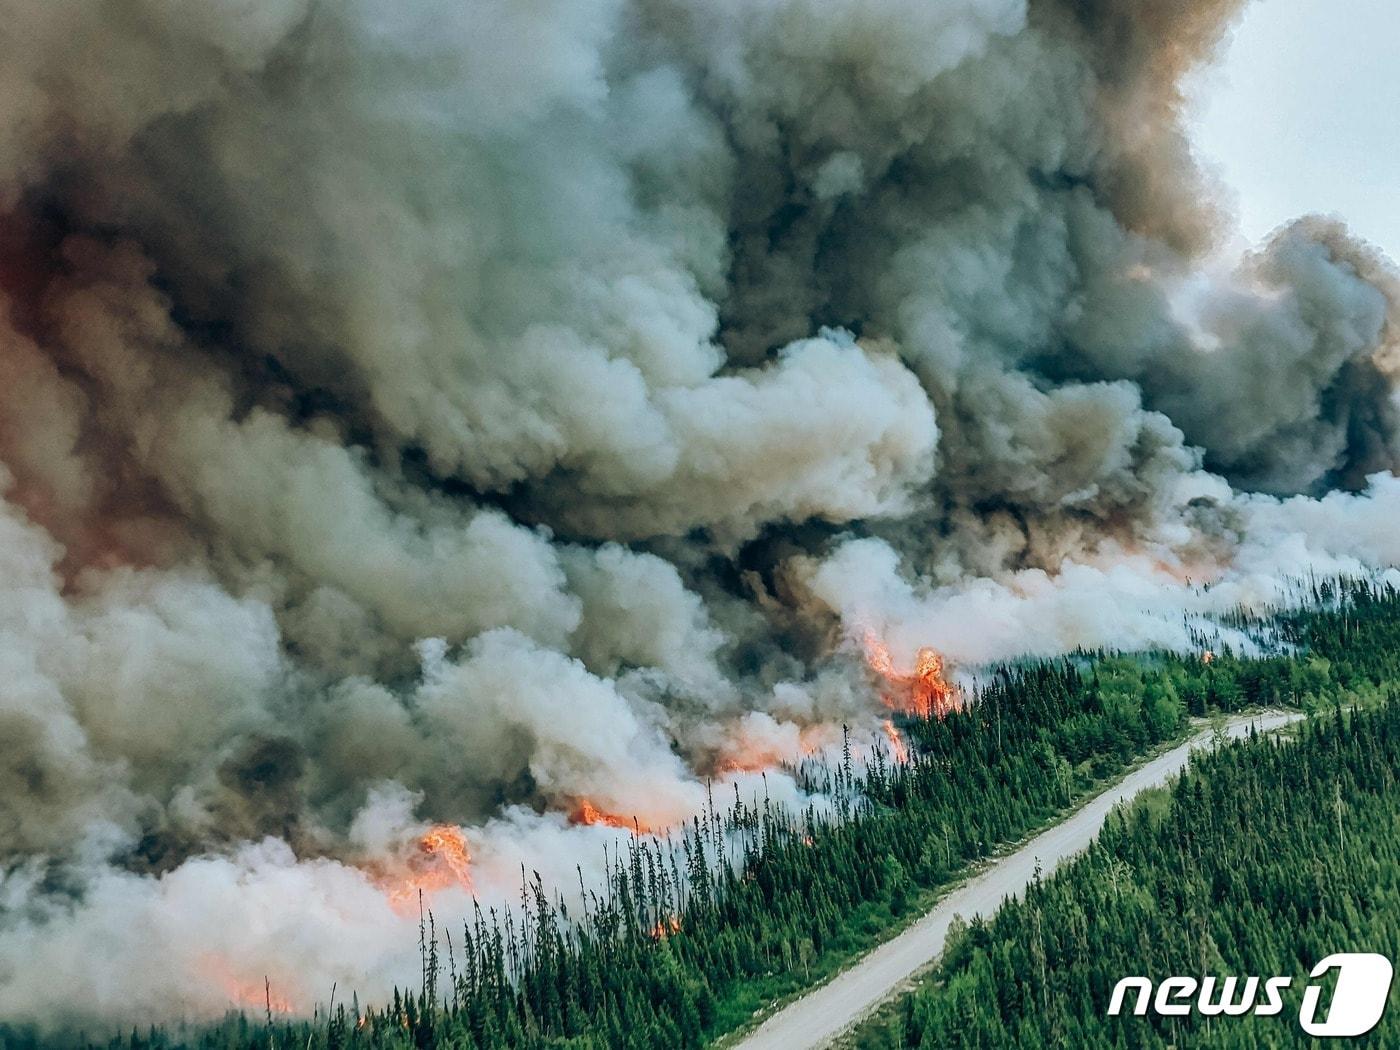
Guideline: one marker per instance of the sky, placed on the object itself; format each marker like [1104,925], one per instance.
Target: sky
[1303,115]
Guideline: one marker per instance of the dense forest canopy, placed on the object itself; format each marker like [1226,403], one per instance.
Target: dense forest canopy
[1263,860]
[750,901]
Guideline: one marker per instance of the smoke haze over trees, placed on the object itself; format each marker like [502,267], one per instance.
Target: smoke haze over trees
[466,413]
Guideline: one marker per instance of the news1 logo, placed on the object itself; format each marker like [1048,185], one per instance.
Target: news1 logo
[1355,1007]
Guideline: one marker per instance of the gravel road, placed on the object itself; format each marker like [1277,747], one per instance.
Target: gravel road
[821,1015]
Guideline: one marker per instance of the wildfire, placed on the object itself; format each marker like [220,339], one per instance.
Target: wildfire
[1207,657]
[897,745]
[586,812]
[666,927]
[244,993]
[441,860]
[758,743]
[925,693]
[448,843]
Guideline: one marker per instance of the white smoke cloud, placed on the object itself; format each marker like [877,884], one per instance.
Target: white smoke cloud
[1148,598]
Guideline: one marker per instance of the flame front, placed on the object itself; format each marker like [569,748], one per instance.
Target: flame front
[585,812]
[925,693]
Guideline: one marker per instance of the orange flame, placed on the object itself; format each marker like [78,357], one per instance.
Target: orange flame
[442,860]
[246,994]
[585,812]
[666,927]
[448,843]
[742,752]
[925,693]
[897,745]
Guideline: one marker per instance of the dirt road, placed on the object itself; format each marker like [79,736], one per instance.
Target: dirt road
[821,1015]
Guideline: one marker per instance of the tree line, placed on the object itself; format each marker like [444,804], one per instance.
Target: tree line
[1263,858]
[751,901]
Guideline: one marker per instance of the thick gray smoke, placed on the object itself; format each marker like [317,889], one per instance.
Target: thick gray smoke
[443,412]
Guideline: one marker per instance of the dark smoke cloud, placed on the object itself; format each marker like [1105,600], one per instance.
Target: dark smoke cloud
[455,412]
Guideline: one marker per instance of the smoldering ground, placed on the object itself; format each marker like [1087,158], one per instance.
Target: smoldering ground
[454,413]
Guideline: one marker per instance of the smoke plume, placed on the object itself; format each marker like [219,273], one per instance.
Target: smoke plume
[486,414]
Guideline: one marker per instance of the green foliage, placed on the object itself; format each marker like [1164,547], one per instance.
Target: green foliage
[752,901]
[1262,858]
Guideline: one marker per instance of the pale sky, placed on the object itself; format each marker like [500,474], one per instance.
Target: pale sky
[1303,115]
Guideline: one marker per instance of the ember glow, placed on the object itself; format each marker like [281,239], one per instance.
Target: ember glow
[253,995]
[746,751]
[923,692]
